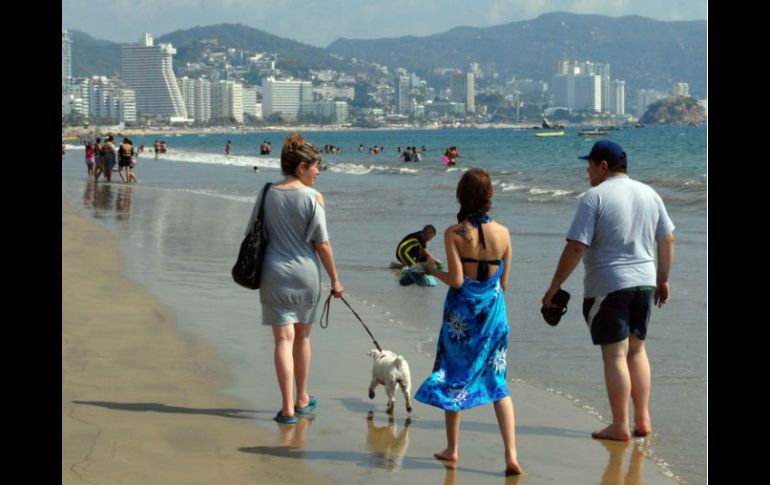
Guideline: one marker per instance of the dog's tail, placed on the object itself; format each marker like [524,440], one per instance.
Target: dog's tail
[401,363]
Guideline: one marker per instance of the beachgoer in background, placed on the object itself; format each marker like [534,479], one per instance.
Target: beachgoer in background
[470,367]
[108,153]
[450,156]
[156,148]
[619,224]
[90,159]
[98,159]
[228,148]
[413,248]
[125,154]
[290,291]
[406,155]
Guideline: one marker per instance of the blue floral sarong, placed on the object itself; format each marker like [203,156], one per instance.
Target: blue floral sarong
[471,355]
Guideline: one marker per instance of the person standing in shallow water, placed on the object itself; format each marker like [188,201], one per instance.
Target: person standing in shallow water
[228,148]
[295,218]
[618,226]
[471,362]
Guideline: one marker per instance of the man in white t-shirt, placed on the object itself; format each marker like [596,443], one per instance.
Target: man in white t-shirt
[619,225]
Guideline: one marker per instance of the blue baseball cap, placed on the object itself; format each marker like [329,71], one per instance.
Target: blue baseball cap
[609,151]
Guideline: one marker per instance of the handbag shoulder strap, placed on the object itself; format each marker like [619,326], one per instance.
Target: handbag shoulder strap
[261,213]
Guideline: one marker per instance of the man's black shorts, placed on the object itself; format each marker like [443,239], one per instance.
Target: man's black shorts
[614,317]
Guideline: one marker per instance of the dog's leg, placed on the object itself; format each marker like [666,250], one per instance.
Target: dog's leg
[406,388]
[390,390]
[372,385]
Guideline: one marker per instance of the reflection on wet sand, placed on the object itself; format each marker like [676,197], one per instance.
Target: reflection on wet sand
[387,447]
[103,200]
[294,434]
[123,203]
[613,474]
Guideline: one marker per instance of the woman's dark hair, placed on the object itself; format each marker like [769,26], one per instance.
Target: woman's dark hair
[474,192]
[297,151]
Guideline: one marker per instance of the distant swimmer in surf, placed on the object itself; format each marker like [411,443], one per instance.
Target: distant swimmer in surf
[450,156]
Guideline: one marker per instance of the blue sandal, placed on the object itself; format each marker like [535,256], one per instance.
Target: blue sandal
[311,405]
[285,419]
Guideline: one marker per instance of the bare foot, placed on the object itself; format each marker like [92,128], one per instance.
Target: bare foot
[643,428]
[445,456]
[641,432]
[512,468]
[612,432]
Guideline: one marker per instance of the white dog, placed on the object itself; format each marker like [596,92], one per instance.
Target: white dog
[391,370]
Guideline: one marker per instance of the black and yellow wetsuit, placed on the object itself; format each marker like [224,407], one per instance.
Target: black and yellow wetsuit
[409,250]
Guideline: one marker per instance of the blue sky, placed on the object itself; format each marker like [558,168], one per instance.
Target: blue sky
[320,22]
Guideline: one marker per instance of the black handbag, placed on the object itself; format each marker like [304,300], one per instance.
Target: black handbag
[247,270]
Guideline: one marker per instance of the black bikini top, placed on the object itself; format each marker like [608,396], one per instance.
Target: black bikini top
[478,220]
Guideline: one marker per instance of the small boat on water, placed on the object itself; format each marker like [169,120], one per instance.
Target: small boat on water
[69,138]
[550,133]
[592,133]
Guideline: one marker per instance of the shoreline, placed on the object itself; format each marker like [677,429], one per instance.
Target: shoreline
[76,134]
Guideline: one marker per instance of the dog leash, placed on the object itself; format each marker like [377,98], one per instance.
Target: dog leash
[326,311]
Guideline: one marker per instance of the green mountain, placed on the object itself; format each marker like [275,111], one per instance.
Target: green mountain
[293,56]
[92,57]
[101,57]
[643,52]
[675,110]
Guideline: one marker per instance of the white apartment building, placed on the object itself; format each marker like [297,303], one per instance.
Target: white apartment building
[66,57]
[227,100]
[334,111]
[463,88]
[330,92]
[680,89]
[250,101]
[402,94]
[197,98]
[588,92]
[148,70]
[574,87]
[110,98]
[617,97]
[284,97]
[187,88]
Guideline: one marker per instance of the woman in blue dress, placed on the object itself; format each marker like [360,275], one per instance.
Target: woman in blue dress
[471,356]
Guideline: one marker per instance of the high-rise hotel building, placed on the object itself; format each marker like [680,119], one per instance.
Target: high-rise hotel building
[147,69]
[284,97]
[463,87]
[66,58]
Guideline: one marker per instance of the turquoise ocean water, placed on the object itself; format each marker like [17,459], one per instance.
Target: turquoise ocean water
[181,226]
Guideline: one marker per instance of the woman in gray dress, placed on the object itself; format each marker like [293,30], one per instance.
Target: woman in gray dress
[290,290]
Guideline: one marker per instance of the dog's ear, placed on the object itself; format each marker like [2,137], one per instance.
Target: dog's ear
[374,353]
